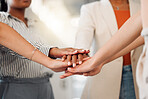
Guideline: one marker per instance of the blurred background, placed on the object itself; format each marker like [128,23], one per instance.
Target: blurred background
[59,20]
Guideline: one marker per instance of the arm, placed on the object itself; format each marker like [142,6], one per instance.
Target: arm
[126,35]
[133,45]
[138,42]
[11,39]
[144,10]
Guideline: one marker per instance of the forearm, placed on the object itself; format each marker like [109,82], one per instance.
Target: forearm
[126,35]
[12,40]
[144,14]
[138,42]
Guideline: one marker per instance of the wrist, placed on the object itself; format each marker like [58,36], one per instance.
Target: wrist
[52,52]
[95,63]
[42,59]
[50,63]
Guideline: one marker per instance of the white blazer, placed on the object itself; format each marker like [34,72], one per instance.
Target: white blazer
[142,68]
[98,23]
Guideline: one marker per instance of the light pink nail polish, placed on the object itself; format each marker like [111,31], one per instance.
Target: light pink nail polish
[75,51]
[83,50]
[69,69]
[69,63]
[80,62]
[74,64]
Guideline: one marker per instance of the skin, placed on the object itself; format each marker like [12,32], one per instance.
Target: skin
[93,66]
[17,9]
[144,10]
[123,5]
[103,54]
[138,42]
[17,42]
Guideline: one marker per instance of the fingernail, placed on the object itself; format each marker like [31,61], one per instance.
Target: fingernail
[74,64]
[75,51]
[80,62]
[87,49]
[83,50]
[69,63]
[69,69]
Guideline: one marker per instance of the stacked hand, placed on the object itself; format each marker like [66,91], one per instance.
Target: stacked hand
[77,71]
[87,68]
[70,57]
[74,62]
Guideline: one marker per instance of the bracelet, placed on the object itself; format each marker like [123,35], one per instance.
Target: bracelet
[33,53]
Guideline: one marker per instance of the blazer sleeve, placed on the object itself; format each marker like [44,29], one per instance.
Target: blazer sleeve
[86,29]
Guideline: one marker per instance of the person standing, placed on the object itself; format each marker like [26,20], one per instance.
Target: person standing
[99,21]
[21,78]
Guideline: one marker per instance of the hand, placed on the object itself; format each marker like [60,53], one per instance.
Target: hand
[75,59]
[95,71]
[67,74]
[58,53]
[85,67]
[58,65]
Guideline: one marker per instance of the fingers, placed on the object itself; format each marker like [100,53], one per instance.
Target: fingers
[86,66]
[66,75]
[74,55]
[69,74]
[72,51]
[69,60]
[64,58]
[80,58]
[85,55]
[74,60]
[82,51]
[87,51]
[79,69]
